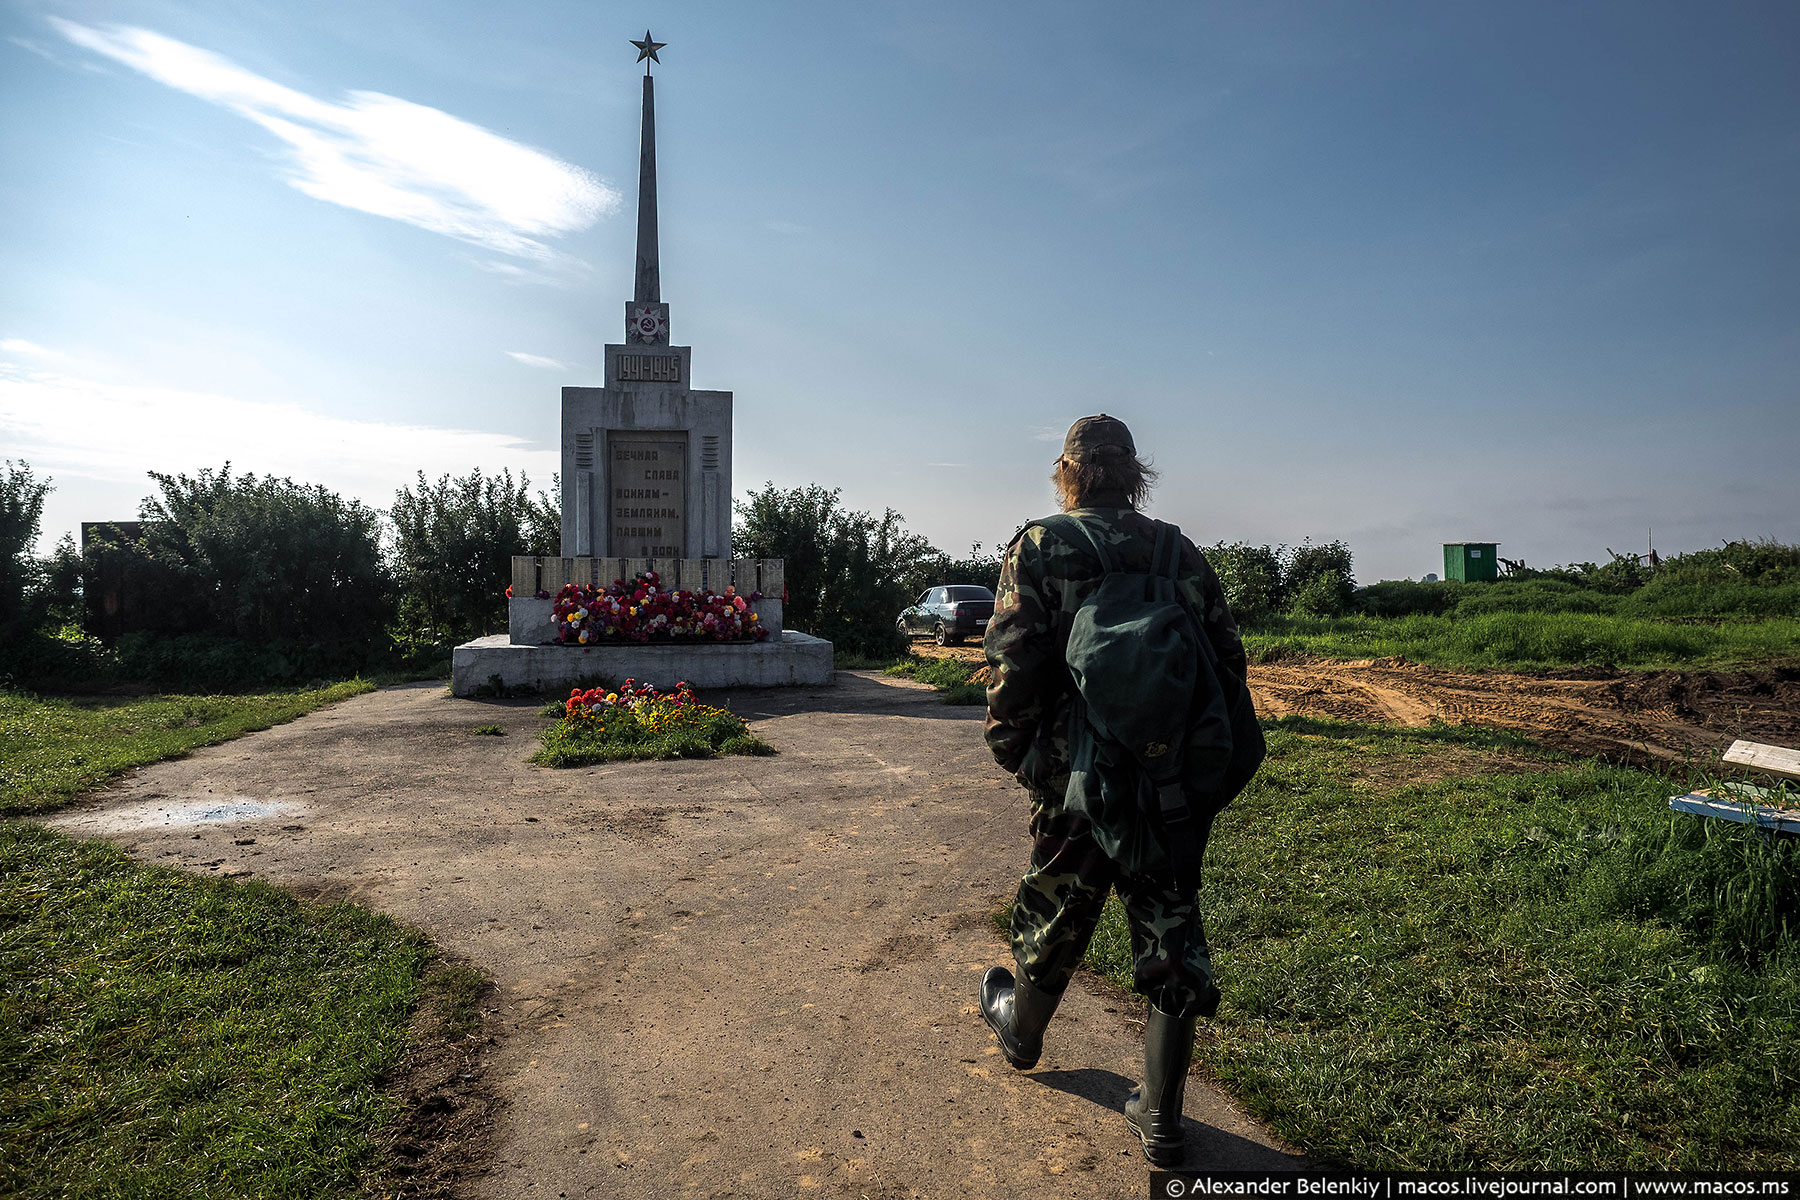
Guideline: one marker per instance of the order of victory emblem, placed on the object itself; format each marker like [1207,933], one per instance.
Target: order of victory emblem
[647,323]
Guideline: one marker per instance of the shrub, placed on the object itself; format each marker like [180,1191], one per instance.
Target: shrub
[981,567]
[1316,579]
[1251,578]
[849,574]
[454,541]
[258,570]
[1405,598]
[22,596]
[1531,596]
[266,559]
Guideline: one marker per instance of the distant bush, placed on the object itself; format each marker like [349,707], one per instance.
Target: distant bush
[981,567]
[454,541]
[1676,598]
[1406,598]
[1317,579]
[849,574]
[1531,596]
[241,564]
[1251,579]
[23,600]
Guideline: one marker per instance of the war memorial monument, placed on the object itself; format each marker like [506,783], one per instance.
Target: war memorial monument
[646,487]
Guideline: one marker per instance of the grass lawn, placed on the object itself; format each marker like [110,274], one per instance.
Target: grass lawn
[1443,949]
[163,1034]
[948,675]
[1532,640]
[52,748]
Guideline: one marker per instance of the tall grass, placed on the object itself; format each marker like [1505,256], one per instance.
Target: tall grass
[1445,957]
[1530,640]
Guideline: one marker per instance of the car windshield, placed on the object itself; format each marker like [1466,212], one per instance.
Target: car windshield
[970,593]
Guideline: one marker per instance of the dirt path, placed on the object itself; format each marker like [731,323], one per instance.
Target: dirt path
[736,977]
[1642,716]
[1656,715]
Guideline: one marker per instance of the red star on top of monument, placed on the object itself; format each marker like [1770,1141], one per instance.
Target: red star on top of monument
[648,48]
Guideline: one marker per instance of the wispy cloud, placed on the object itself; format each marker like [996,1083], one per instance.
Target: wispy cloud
[538,360]
[97,439]
[380,154]
[13,345]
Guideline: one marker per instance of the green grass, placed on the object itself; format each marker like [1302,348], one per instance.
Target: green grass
[948,675]
[1441,950]
[1530,640]
[51,749]
[694,731]
[163,1034]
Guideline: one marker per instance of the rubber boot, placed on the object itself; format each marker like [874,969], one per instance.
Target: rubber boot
[1017,1012]
[1154,1110]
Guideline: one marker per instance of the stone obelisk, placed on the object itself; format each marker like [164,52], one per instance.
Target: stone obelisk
[646,485]
[646,459]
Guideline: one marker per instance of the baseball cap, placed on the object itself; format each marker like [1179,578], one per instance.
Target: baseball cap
[1098,436]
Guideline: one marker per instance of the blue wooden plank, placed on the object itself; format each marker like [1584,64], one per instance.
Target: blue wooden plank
[1780,820]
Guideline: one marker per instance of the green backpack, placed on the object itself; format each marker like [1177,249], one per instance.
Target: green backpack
[1161,738]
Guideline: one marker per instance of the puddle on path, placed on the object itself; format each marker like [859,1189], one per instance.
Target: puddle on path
[171,812]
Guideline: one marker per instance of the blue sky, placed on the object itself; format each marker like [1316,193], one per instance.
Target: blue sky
[1391,273]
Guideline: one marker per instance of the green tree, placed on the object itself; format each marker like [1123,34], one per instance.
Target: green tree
[1316,579]
[1251,579]
[22,596]
[454,541]
[849,574]
[262,559]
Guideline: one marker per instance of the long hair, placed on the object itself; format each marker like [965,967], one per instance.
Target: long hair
[1099,474]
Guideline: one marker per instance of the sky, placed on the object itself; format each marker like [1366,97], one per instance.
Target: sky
[1393,274]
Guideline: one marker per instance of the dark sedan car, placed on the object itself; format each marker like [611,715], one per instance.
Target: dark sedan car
[950,613]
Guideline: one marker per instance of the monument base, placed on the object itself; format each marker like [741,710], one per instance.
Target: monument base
[787,660]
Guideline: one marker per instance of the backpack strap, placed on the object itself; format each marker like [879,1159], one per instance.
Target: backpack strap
[1165,559]
[1060,523]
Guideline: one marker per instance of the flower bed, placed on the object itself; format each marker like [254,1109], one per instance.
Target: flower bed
[641,611]
[635,721]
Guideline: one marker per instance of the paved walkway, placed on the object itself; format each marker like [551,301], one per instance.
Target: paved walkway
[733,977]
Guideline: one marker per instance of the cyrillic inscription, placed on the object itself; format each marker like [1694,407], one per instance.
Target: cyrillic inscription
[647,507]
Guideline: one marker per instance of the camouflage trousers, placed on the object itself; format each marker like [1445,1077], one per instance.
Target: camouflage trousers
[1059,905]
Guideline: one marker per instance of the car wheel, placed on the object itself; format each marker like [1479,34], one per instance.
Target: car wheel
[903,629]
[940,635]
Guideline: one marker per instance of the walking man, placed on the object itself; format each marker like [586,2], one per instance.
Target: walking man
[1106,623]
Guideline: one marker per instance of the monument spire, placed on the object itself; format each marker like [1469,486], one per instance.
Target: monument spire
[646,316]
[648,289]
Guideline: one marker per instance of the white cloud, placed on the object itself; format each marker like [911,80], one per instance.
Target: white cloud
[380,154]
[538,360]
[29,349]
[98,439]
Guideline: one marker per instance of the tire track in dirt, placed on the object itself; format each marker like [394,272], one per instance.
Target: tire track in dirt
[1644,717]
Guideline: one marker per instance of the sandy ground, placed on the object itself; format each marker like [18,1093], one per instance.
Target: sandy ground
[1645,717]
[733,977]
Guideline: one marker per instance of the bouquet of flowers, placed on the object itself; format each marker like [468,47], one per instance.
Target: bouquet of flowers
[594,702]
[641,611]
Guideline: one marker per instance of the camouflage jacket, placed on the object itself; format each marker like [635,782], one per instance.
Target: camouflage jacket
[1042,582]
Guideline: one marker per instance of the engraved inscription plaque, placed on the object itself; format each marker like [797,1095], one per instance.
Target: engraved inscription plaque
[646,501]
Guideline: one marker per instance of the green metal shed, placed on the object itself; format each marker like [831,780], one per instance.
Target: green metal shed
[1471,562]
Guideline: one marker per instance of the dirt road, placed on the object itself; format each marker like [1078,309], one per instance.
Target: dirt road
[1639,716]
[734,977]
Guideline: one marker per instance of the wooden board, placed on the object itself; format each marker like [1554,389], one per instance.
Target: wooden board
[1777,760]
[1778,820]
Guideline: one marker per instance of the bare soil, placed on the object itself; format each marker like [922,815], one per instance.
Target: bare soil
[730,977]
[1645,717]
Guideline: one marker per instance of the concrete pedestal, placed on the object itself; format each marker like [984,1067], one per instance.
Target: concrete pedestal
[787,660]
